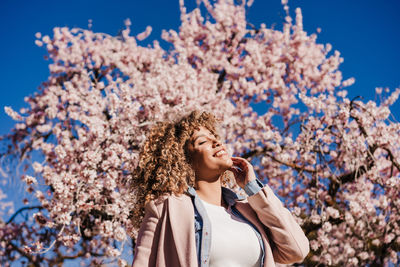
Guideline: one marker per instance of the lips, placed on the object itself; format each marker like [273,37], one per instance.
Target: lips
[220,153]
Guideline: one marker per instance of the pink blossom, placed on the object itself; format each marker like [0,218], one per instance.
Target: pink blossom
[30,180]
[13,114]
[145,34]
[389,237]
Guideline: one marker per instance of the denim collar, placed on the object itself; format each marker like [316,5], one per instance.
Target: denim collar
[229,196]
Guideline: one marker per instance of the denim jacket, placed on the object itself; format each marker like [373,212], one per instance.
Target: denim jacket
[203,225]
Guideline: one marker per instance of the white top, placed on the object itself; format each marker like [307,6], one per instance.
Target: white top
[233,242]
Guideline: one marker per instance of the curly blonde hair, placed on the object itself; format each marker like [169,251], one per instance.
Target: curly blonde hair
[164,162]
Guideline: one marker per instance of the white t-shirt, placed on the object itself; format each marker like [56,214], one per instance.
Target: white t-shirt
[233,242]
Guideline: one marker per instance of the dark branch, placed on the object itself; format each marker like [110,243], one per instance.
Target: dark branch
[26,255]
[265,151]
[392,158]
[21,210]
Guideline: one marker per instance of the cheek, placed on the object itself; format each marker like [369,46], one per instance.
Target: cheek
[202,158]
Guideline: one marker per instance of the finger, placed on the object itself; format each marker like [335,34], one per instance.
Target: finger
[245,164]
[237,171]
[234,169]
[242,163]
[238,175]
[237,168]
[238,159]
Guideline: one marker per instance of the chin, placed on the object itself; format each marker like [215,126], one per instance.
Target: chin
[228,163]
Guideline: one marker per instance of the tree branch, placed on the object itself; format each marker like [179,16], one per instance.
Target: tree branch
[26,255]
[264,151]
[392,158]
[21,210]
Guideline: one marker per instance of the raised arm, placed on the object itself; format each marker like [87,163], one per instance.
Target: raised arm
[290,243]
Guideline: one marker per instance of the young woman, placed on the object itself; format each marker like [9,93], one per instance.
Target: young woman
[188,219]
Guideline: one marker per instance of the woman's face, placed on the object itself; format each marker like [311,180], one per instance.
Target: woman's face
[209,156]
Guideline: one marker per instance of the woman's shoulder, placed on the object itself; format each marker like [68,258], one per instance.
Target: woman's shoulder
[170,197]
[176,200]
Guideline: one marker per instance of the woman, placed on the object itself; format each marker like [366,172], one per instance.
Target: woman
[191,220]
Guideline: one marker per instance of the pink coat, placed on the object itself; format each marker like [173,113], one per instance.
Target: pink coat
[167,236]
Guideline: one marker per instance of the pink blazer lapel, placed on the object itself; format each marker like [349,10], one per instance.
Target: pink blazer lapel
[245,209]
[181,217]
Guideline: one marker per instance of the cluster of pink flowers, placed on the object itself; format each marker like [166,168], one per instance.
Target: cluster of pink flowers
[333,160]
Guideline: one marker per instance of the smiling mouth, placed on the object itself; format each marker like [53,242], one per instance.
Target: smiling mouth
[220,153]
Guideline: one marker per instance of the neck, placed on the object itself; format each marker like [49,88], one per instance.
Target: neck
[210,192]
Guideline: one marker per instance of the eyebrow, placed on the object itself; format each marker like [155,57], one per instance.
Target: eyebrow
[201,135]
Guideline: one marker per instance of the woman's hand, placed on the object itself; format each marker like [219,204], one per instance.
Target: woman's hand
[243,171]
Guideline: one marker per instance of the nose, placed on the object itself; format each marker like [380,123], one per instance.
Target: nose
[216,143]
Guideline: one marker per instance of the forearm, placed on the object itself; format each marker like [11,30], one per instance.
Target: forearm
[290,243]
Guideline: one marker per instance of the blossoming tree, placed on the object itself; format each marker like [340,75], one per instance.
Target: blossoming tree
[333,160]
